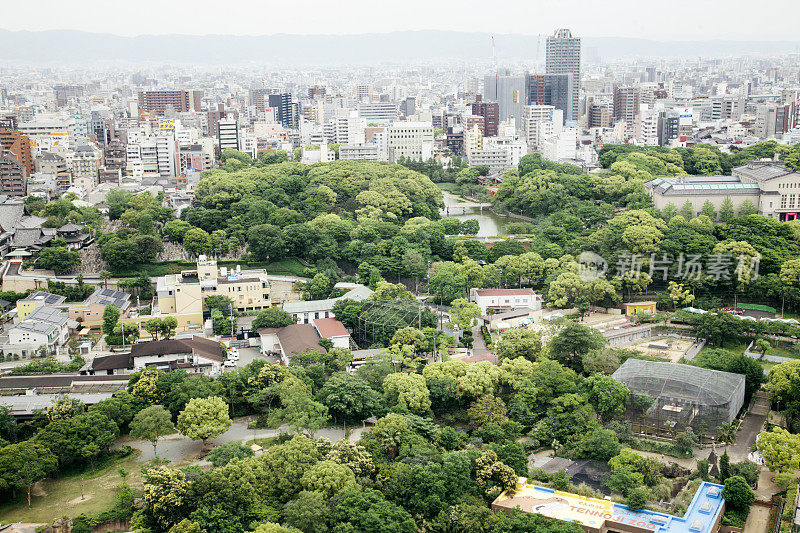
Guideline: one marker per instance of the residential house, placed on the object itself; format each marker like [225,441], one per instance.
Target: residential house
[90,312]
[290,340]
[330,328]
[505,299]
[196,355]
[35,300]
[44,328]
[307,311]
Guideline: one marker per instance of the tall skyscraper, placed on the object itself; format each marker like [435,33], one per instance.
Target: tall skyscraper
[551,89]
[288,112]
[508,91]
[564,57]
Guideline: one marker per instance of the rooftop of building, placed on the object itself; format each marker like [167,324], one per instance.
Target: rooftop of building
[45,298]
[330,327]
[673,380]
[197,345]
[301,306]
[701,516]
[505,292]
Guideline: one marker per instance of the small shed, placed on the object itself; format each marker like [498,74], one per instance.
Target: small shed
[631,308]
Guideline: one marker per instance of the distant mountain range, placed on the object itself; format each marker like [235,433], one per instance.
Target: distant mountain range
[77,47]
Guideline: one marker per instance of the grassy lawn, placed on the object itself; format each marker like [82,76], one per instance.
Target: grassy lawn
[452,188]
[264,443]
[290,266]
[54,498]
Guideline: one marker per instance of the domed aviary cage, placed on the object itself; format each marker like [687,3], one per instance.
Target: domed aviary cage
[668,397]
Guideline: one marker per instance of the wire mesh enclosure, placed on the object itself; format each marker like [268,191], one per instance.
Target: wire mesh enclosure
[684,396]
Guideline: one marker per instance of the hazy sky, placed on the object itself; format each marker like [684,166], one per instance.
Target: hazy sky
[660,20]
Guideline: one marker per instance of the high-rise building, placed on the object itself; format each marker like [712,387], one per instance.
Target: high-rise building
[228,134]
[316,92]
[181,101]
[378,111]
[13,178]
[259,98]
[19,145]
[509,93]
[551,89]
[597,115]
[288,112]
[412,140]
[626,105]
[490,111]
[540,122]
[563,56]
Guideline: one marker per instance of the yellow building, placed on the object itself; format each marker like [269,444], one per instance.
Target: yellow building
[186,292]
[632,308]
[35,300]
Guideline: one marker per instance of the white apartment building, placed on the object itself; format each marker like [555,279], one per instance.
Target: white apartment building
[645,128]
[359,152]
[345,127]
[228,134]
[540,122]
[561,147]
[413,140]
[166,148]
[378,112]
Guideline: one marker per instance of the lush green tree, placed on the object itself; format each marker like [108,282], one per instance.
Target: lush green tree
[197,241]
[601,444]
[329,478]
[150,424]
[81,437]
[349,398]
[285,465]
[165,491]
[110,318]
[464,313]
[368,510]
[25,463]
[607,395]
[175,230]
[492,476]
[204,418]
[224,453]
[738,494]
[59,259]
[781,449]
[407,391]
[308,512]
[637,498]
[186,526]
[487,409]
[726,210]
[570,344]
[519,343]
[273,317]
[301,412]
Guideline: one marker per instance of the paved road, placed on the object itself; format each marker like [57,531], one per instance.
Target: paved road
[757,520]
[478,344]
[751,427]
[176,448]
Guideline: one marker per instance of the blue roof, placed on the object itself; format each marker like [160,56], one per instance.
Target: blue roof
[701,516]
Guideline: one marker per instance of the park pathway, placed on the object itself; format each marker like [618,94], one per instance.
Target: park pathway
[176,448]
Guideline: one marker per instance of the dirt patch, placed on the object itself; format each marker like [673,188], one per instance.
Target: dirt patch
[75,501]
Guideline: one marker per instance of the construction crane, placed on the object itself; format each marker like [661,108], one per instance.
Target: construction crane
[538,47]
[496,70]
